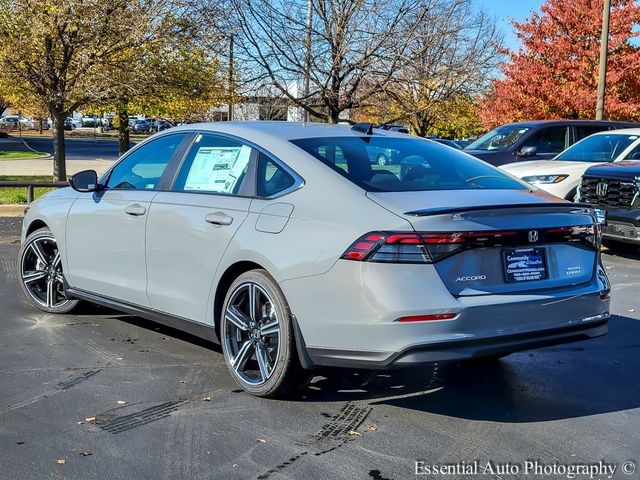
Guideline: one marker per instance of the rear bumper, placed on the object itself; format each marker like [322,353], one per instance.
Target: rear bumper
[458,350]
[348,317]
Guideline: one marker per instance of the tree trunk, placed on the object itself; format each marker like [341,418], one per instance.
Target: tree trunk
[59,163]
[333,116]
[123,130]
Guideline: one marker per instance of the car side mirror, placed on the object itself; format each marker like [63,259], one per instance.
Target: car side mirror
[85,181]
[527,151]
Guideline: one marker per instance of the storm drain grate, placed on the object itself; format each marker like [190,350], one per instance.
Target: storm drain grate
[346,420]
[76,379]
[123,423]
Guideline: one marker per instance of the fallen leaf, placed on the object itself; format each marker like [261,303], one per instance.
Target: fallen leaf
[90,419]
[165,338]
[119,358]
[236,465]
[121,402]
[61,461]
[631,310]
[372,428]
[85,454]
[353,433]
[261,440]
[183,381]
[207,399]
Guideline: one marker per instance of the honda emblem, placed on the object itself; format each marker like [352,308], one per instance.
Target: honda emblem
[533,236]
[601,189]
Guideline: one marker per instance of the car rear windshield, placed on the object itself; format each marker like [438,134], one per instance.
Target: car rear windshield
[598,148]
[392,164]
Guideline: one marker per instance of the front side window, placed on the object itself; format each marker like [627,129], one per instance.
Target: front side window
[214,165]
[415,164]
[142,169]
[548,140]
[499,139]
[598,148]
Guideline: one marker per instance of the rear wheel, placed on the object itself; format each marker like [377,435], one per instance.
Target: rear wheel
[257,336]
[41,275]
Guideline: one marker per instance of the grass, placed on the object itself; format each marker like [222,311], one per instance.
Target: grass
[18,195]
[8,155]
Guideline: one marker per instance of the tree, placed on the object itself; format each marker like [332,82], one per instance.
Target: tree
[454,51]
[348,54]
[554,73]
[55,52]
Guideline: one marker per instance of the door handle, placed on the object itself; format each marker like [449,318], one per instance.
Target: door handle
[135,209]
[218,218]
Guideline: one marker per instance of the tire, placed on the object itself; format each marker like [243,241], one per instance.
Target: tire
[259,349]
[41,276]
[382,159]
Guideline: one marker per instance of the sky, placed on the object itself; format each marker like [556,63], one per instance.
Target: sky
[507,10]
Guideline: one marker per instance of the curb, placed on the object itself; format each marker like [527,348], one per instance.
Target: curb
[48,157]
[12,210]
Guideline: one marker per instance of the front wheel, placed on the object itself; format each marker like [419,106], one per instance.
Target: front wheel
[42,279]
[257,336]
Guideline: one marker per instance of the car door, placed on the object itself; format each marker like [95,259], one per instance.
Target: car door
[190,227]
[548,142]
[106,229]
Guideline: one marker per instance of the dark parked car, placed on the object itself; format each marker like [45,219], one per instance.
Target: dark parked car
[615,187]
[140,126]
[447,142]
[160,125]
[394,128]
[536,140]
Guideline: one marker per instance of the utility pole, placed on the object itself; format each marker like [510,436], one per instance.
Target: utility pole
[230,79]
[307,60]
[604,50]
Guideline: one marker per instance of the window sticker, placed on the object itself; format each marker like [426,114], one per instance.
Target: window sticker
[217,169]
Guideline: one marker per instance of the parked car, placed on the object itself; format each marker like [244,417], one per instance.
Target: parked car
[228,230]
[10,121]
[464,143]
[447,142]
[394,128]
[536,140]
[615,188]
[160,125]
[562,175]
[34,124]
[140,126]
[90,121]
[71,123]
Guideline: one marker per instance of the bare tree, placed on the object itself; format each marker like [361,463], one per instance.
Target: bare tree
[453,53]
[347,50]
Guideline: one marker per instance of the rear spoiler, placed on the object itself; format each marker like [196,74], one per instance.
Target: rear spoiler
[474,208]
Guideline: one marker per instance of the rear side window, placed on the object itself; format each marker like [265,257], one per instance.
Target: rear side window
[583,131]
[411,164]
[214,165]
[272,178]
[143,168]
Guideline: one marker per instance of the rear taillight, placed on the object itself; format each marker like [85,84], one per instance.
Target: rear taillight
[428,247]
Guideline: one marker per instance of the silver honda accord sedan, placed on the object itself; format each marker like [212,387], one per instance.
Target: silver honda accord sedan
[287,244]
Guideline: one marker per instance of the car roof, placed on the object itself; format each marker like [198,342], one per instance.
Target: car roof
[282,130]
[535,123]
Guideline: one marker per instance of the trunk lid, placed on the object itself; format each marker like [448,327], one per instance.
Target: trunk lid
[501,241]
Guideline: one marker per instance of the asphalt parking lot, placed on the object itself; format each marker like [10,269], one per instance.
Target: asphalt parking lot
[105,395]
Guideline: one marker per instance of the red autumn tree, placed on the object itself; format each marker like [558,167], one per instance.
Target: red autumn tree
[554,74]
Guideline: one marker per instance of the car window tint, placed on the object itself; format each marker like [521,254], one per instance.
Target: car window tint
[548,140]
[583,131]
[143,168]
[214,165]
[604,147]
[272,178]
[413,164]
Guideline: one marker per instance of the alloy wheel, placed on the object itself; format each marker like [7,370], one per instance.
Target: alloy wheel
[41,273]
[251,333]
